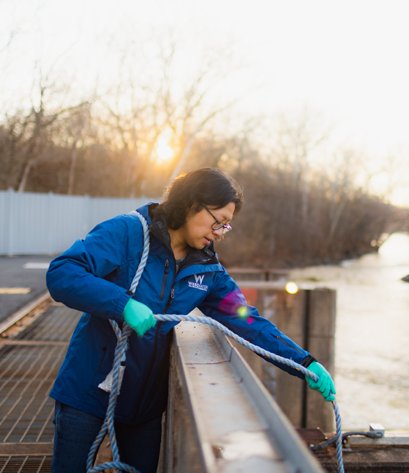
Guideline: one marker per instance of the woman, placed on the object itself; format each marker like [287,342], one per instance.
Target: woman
[182,272]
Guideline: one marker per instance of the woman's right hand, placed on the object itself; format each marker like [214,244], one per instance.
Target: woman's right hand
[139,317]
[325,385]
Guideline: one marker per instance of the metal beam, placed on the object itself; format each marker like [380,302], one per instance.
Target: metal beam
[230,423]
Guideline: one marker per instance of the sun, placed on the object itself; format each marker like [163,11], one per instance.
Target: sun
[163,150]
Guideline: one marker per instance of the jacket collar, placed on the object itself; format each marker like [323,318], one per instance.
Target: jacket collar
[159,229]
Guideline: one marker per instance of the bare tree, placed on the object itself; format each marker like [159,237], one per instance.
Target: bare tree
[154,106]
[74,133]
[47,109]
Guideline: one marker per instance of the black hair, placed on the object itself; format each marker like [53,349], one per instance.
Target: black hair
[197,189]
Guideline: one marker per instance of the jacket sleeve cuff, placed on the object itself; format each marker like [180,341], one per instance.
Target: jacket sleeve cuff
[307,361]
[120,306]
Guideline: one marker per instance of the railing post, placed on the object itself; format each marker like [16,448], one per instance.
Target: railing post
[290,318]
[321,343]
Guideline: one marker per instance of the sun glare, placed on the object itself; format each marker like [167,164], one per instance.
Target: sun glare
[164,150]
[291,287]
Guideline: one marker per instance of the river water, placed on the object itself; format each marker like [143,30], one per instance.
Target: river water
[372,334]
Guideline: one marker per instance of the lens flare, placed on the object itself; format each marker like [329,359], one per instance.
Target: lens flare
[243,312]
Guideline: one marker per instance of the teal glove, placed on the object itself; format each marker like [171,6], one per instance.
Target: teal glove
[139,317]
[325,385]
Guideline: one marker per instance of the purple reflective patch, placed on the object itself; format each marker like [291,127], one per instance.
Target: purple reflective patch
[232,302]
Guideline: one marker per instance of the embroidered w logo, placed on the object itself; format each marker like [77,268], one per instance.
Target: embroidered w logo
[199,278]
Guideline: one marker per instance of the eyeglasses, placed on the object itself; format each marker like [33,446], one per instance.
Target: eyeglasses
[218,225]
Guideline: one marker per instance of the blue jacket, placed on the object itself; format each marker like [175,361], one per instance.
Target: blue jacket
[94,276]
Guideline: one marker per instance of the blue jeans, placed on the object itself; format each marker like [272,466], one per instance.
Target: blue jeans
[75,432]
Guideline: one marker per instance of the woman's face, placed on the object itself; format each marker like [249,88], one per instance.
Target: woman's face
[198,229]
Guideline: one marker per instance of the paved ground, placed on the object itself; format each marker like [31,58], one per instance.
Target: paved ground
[25,272]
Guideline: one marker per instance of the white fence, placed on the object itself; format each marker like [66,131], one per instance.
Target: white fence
[35,224]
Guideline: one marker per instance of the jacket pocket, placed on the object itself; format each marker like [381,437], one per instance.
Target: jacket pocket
[104,364]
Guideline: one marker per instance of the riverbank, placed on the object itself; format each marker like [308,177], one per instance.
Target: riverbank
[372,334]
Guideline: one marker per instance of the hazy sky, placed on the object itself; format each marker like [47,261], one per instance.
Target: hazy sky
[347,60]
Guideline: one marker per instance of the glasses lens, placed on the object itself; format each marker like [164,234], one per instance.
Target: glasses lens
[219,226]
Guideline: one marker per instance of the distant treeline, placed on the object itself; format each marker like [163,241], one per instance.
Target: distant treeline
[286,223]
[294,214]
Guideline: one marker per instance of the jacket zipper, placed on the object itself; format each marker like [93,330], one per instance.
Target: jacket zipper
[169,302]
[171,297]
[164,280]
[285,342]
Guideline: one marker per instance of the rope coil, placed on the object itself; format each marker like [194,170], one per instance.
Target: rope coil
[120,356]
